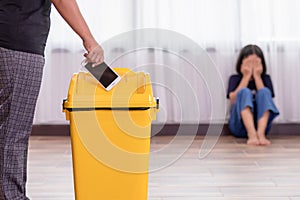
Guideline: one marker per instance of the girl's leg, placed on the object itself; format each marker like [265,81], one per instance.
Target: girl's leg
[266,112]
[248,121]
[261,128]
[241,121]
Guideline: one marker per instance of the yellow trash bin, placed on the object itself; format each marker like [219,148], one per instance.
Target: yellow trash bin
[110,134]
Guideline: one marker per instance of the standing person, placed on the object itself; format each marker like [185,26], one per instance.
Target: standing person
[24,27]
[250,93]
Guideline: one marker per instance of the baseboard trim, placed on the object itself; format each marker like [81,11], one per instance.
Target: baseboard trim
[50,130]
[169,129]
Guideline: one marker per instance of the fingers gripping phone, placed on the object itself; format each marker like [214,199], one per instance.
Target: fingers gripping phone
[105,75]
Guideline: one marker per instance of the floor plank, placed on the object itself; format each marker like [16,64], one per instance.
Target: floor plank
[232,170]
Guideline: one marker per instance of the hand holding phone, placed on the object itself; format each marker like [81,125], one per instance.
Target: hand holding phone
[94,55]
[104,74]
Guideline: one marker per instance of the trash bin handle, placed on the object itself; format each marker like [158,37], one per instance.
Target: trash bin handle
[107,108]
[63,104]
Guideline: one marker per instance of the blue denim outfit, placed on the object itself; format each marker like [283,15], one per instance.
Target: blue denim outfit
[259,104]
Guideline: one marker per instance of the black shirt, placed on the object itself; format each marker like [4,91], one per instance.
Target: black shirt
[24,25]
[235,80]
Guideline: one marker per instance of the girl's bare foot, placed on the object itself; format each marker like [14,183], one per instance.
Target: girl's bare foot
[253,140]
[263,140]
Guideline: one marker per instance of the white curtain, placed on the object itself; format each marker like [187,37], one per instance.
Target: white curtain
[221,28]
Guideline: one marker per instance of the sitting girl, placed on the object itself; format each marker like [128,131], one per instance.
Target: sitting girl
[250,93]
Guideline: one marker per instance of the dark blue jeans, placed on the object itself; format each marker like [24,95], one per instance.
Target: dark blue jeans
[259,105]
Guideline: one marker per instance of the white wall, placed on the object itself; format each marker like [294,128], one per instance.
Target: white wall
[220,27]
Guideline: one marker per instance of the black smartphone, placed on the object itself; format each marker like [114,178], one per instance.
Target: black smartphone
[104,74]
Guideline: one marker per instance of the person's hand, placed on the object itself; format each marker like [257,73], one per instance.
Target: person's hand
[247,67]
[95,53]
[257,67]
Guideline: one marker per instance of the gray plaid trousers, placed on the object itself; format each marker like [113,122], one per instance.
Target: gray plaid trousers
[20,80]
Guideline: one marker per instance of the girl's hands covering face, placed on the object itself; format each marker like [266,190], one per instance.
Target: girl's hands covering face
[247,67]
[252,66]
[257,67]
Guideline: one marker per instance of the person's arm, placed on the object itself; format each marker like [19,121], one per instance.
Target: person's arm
[243,83]
[258,82]
[246,70]
[69,10]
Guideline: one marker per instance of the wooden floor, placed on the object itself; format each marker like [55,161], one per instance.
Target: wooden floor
[231,171]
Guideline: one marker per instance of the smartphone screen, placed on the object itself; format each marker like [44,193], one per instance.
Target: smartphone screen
[104,74]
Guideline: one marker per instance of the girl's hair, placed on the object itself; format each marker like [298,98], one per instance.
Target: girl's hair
[247,51]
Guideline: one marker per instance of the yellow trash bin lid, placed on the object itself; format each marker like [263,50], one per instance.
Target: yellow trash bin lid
[133,92]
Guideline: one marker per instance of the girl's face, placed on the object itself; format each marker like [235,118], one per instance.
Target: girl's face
[247,54]
[251,64]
